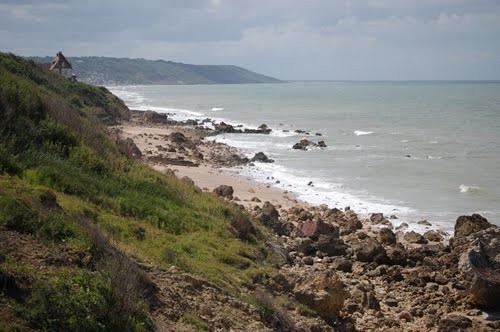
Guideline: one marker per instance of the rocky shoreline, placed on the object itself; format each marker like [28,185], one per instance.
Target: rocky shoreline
[351,273]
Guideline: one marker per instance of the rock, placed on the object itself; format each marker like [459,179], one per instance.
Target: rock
[440,279]
[269,216]
[226,128]
[224,191]
[187,179]
[341,264]
[414,237]
[386,236]
[308,260]
[369,250]
[397,255]
[304,245]
[154,117]
[350,226]
[263,127]
[323,292]
[255,199]
[424,222]
[330,245]
[178,138]
[242,227]
[191,122]
[477,243]
[454,323]
[302,145]
[268,213]
[466,225]
[377,218]
[405,315]
[261,157]
[322,144]
[130,149]
[314,228]
[364,296]
[390,302]
[433,236]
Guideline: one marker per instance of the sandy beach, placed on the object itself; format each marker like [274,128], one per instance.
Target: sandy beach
[164,153]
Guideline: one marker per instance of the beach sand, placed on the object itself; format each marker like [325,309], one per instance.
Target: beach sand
[208,173]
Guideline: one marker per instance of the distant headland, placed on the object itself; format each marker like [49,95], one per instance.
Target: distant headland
[124,71]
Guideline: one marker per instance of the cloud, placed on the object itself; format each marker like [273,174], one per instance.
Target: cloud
[316,39]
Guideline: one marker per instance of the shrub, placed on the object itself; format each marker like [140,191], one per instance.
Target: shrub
[273,314]
[16,215]
[87,159]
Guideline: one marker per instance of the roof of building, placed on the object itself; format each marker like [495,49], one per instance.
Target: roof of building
[60,61]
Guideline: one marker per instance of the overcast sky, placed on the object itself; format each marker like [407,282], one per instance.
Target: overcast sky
[289,39]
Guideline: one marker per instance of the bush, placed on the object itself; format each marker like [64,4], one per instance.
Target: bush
[87,159]
[273,314]
[16,215]
[83,302]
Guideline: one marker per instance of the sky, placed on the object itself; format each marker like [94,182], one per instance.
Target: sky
[287,39]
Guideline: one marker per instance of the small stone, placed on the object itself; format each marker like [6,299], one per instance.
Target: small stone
[405,315]
[308,260]
[432,286]
[390,302]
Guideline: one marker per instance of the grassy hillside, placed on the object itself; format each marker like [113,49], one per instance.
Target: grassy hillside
[76,213]
[103,70]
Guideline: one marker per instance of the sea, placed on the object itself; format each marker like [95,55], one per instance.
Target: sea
[415,150]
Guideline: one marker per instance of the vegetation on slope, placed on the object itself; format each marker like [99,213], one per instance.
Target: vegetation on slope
[104,70]
[72,204]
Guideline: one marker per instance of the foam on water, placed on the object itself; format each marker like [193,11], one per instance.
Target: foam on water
[468,189]
[321,192]
[362,133]
[217,109]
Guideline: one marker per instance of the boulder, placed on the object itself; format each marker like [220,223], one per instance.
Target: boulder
[269,216]
[350,225]
[363,295]
[261,157]
[242,227]
[314,228]
[414,237]
[154,117]
[330,245]
[304,246]
[369,250]
[377,218]
[268,213]
[302,145]
[226,128]
[454,323]
[131,150]
[322,144]
[466,225]
[479,259]
[178,138]
[397,255]
[323,292]
[341,264]
[386,236]
[433,236]
[224,191]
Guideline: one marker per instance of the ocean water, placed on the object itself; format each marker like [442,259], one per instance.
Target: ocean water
[417,150]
